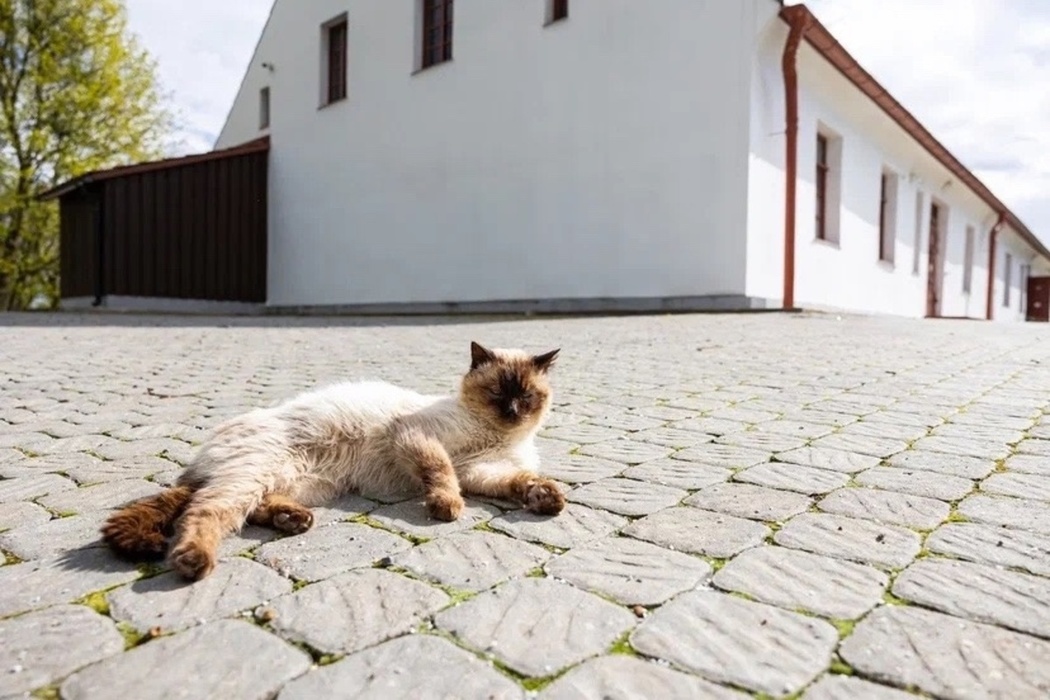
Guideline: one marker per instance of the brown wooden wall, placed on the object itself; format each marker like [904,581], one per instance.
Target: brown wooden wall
[195,231]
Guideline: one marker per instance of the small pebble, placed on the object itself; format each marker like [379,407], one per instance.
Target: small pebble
[639,611]
[265,614]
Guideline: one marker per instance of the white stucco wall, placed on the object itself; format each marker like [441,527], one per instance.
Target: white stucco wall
[849,276]
[603,156]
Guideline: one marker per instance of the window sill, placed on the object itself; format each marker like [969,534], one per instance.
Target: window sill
[333,103]
[552,22]
[827,242]
[432,66]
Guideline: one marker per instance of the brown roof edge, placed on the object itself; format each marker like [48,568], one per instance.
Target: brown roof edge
[254,146]
[825,44]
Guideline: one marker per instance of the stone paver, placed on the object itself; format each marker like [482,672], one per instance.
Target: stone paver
[947,656]
[795,580]
[629,571]
[45,646]
[166,602]
[720,483]
[750,501]
[355,610]
[537,626]
[472,561]
[700,532]
[1029,551]
[726,639]
[623,677]
[980,592]
[438,669]
[229,658]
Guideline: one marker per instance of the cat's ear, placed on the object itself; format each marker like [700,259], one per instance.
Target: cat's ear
[480,355]
[543,362]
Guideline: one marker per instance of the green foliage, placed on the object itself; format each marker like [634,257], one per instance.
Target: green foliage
[77,93]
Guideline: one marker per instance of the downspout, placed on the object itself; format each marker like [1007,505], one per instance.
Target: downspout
[798,21]
[992,238]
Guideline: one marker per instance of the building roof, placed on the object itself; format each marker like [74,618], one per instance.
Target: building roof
[825,44]
[255,146]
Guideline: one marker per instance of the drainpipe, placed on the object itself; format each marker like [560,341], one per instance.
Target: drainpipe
[798,19]
[992,237]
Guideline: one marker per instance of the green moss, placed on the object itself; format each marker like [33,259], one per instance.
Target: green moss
[717,564]
[96,601]
[373,523]
[538,572]
[891,599]
[840,667]
[132,637]
[484,527]
[299,584]
[150,569]
[623,646]
[956,517]
[10,558]
[845,627]
[319,657]
[48,692]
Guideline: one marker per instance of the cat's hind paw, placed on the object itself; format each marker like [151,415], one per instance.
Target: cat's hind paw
[192,561]
[544,497]
[445,505]
[293,521]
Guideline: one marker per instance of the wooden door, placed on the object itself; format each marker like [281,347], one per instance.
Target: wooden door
[1038,299]
[933,266]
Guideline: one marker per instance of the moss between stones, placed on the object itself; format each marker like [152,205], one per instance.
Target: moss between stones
[373,523]
[538,572]
[845,627]
[717,564]
[319,657]
[10,558]
[132,637]
[891,599]
[622,646]
[299,584]
[48,692]
[96,601]
[150,569]
[840,667]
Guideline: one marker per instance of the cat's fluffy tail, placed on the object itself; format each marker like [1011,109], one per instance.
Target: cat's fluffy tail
[140,529]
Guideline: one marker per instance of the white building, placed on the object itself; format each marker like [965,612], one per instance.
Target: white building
[629,155]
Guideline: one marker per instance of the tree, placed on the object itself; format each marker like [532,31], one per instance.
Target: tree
[77,93]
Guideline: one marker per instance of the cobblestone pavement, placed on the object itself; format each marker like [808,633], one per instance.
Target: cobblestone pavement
[759,505]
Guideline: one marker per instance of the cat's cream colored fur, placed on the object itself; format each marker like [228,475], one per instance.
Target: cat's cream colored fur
[271,464]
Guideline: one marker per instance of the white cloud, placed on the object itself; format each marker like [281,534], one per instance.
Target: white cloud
[202,48]
[975,72]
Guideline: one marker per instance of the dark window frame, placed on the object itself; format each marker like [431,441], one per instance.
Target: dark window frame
[822,187]
[336,60]
[438,24]
[559,10]
[264,107]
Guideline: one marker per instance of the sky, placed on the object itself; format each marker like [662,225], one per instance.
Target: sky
[976,73]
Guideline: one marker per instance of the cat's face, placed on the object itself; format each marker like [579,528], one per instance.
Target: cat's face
[509,387]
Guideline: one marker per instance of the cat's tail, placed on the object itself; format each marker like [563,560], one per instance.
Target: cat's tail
[140,529]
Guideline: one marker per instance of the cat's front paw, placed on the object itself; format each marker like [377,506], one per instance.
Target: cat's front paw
[544,497]
[445,505]
[192,561]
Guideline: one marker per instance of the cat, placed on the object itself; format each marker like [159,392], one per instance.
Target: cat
[270,465]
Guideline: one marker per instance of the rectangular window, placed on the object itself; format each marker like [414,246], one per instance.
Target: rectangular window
[1007,269]
[917,252]
[968,260]
[822,187]
[264,108]
[437,32]
[335,60]
[888,217]
[556,10]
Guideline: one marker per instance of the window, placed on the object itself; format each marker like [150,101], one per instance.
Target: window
[1026,270]
[556,10]
[334,41]
[828,187]
[917,252]
[264,108]
[437,32]
[822,187]
[1007,269]
[888,217]
[968,260]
